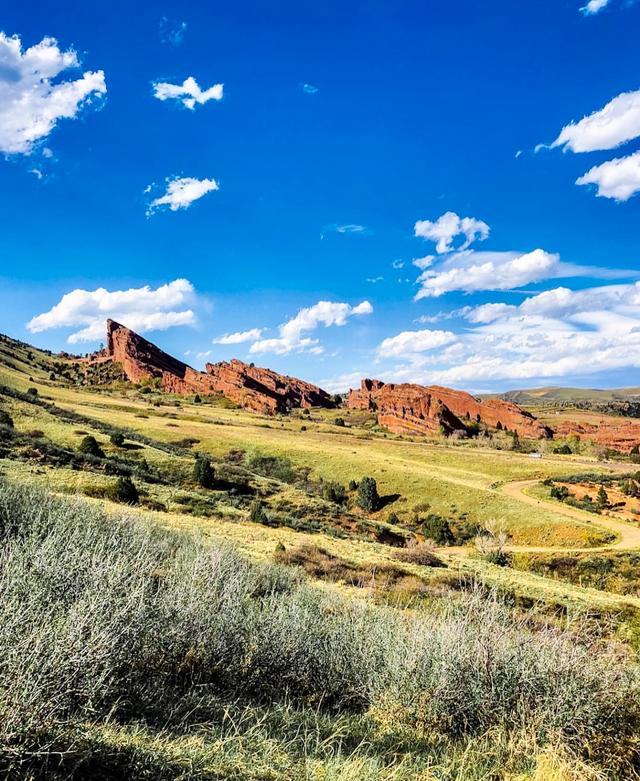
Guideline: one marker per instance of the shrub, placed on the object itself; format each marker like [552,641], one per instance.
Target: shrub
[5,419]
[197,399]
[353,485]
[124,491]
[368,497]
[257,513]
[602,500]
[563,450]
[339,422]
[560,492]
[32,391]
[437,528]
[334,492]
[117,439]
[421,554]
[89,445]
[203,472]
[393,518]
[273,466]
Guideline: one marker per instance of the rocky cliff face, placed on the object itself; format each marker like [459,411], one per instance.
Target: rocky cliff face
[259,390]
[622,436]
[426,409]
[263,390]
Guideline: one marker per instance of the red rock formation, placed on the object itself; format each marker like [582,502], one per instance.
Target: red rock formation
[622,436]
[259,390]
[420,409]
[263,390]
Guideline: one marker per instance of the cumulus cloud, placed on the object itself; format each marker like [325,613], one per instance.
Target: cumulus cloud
[473,271]
[608,128]
[448,227]
[618,179]
[554,334]
[31,104]
[142,309]
[181,193]
[188,93]
[325,313]
[410,342]
[238,337]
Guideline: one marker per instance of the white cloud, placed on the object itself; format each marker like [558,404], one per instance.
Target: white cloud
[618,179]
[350,228]
[30,102]
[608,128]
[238,337]
[425,262]
[326,313]
[594,7]
[188,93]
[488,313]
[309,89]
[142,309]
[397,264]
[449,226]
[409,342]
[554,334]
[473,271]
[181,193]
[375,280]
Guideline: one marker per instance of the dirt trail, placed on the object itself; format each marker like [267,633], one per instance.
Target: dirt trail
[629,535]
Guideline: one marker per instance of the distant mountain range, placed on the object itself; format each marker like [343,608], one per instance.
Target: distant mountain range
[561,395]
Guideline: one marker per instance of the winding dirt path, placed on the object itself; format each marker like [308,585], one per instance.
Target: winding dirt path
[628,535]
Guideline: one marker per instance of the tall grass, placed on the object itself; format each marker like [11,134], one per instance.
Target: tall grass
[103,619]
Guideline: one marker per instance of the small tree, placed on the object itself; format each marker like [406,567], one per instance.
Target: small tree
[90,446]
[5,419]
[437,528]
[257,513]
[602,500]
[334,492]
[117,439]
[368,497]
[125,491]
[203,472]
[197,399]
[339,422]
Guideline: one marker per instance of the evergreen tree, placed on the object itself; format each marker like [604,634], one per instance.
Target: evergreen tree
[368,497]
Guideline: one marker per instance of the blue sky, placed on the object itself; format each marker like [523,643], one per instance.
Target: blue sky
[286,192]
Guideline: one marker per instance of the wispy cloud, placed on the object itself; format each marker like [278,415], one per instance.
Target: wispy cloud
[594,7]
[238,337]
[180,193]
[172,31]
[309,89]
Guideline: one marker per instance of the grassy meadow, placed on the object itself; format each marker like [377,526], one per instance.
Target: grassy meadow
[262,623]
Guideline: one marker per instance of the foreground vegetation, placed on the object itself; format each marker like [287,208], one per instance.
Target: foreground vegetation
[131,651]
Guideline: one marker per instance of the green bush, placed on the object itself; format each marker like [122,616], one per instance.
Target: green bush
[559,492]
[117,439]
[124,491]
[339,422]
[257,512]
[437,528]
[334,492]
[5,419]
[368,497]
[203,472]
[89,445]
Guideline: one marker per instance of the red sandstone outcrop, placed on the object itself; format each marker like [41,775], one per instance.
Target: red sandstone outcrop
[259,390]
[425,409]
[622,436]
[263,390]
